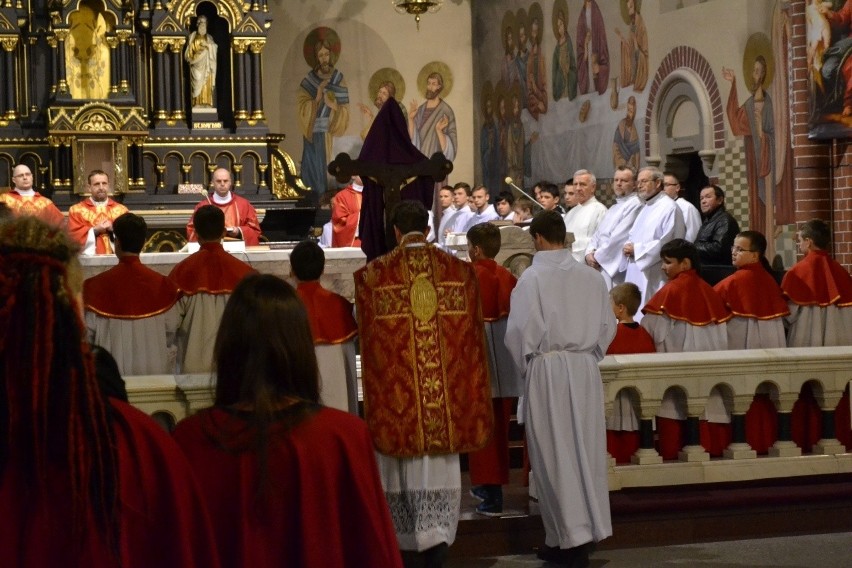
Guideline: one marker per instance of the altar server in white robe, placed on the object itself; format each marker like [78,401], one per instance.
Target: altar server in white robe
[605,249]
[583,219]
[691,216]
[556,339]
[659,221]
[458,220]
[333,328]
[131,310]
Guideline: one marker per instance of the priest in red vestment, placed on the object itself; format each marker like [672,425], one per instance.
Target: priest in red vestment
[425,377]
[346,213]
[240,217]
[131,310]
[332,325]
[206,278]
[85,480]
[489,467]
[24,200]
[90,221]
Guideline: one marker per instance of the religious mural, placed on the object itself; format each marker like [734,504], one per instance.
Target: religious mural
[559,101]
[829,44]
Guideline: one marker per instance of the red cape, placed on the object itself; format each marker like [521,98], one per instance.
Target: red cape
[751,292]
[687,297]
[239,212]
[324,504]
[36,206]
[330,314]
[345,214]
[818,280]
[163,520]
[495,288]
[211,270]
[629,340]
[85,215]
[129,290]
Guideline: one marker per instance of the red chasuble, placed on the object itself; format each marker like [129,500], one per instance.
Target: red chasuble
[129,290]
[211,270]
[423,355]
[345,213]
[85,215]
[751,292]
[330,314]
[323,506]
[818,280]
[36,206]
[687,297]
[631,338]
[495,288]
[239,212]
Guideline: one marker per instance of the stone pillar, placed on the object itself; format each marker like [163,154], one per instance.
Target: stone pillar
[739,448]
[785,446]
[828,443]
[646,454]
[693,451]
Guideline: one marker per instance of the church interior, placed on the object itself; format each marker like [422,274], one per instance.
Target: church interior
[729,92]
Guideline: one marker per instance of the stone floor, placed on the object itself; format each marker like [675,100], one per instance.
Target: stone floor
[816,551]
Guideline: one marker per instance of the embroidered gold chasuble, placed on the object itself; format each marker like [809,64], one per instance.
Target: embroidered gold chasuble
[424,365]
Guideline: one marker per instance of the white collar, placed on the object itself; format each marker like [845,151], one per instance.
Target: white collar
[25,193]
[358,188]
[99,203]
[222,200]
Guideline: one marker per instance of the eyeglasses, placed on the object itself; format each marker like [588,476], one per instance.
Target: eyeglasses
[671,184]
[738,250]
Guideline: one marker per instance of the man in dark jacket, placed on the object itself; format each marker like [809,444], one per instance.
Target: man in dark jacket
[718,229]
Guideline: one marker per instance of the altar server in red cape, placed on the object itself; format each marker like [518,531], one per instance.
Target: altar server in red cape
[131,310]
[288,482]
[240,217]
[688,315]
[23,200]
[85,480]
[489,467]
[333,328]
[346,213]
[206,278]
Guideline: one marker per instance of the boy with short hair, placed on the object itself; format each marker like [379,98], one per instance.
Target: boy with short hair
[332,325]
[622,427]
[489,467]
[523,210]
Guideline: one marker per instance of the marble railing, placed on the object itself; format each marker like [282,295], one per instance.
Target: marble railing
[738,375]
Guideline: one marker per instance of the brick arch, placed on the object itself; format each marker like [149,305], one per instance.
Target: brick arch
[687,57]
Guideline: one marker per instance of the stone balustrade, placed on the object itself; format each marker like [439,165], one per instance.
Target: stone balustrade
[781,373]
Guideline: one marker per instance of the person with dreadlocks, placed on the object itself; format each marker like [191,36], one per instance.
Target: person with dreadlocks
[288,482]
[85,480]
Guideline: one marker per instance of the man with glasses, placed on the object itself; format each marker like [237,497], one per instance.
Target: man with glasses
[691,216]
[24,200]
[659,221]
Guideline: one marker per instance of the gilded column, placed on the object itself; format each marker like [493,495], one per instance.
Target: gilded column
[256,81]
[160,74]
[62,82]
[112,42]
[123,81]
[177,79]
[10,110]
[240,87]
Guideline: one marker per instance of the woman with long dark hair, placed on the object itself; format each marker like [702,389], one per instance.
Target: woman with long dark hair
[85,479]
[288,481]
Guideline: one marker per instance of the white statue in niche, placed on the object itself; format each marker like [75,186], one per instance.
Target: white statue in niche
[201,55]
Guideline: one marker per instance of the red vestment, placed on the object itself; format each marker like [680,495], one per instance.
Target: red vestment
[211,270]
[322,505]
[129,290]
[490,465]
[330,314]
[631,338]
[345,214]
[751,292]
[687,297]
[36,206]
[818,280]
[423,354]
[163,519]
[86,214]
[239,212]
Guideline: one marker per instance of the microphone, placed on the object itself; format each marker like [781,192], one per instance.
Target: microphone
[509,181]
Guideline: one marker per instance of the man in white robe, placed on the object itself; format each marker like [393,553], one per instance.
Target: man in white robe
[604,251]
[583,219]
[691,216]
[459,219]
[482,210]
[445,200]
[557,341]
[659,221]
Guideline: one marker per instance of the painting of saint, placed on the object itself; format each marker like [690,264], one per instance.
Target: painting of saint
[634,46]
[592,50]
[503,120]
[523,53]
[384,84]
[489,140]
[509,64]
[625,142]
[323,102]
[829,46]
[515,142]
[432,124]
[564,67]
[536,71]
